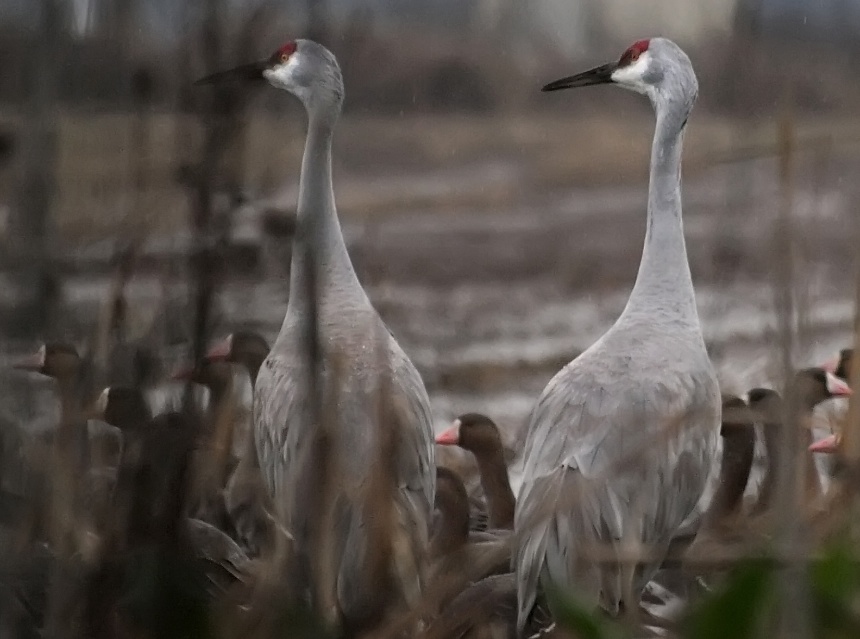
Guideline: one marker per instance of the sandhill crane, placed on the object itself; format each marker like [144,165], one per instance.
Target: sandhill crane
[620,442]
[354,341]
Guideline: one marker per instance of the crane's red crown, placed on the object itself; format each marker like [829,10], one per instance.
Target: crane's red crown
[283,54]
[633,52]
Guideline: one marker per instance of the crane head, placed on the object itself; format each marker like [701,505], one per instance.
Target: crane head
[655,67]
[632,64]
[304,68]
[253,71]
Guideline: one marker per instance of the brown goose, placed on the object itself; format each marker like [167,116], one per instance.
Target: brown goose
[809,387]
[731,534]
[150,534]
[738,436]
[457,560]
[248,350]
[479,435]
[738,433]
[841,364]
[220,414]
[125,408]
[63,494]
[451,530]
[62,363]
[213,461]
[486,609]
[241,347]
[245,496]
[829,444]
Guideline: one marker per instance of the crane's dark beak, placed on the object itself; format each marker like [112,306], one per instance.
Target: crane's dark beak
[597,75]
[244,73]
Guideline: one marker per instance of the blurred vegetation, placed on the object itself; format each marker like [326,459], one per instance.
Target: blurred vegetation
[101,138]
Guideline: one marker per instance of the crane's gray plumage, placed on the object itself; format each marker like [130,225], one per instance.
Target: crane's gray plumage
[620,442]
[368,357]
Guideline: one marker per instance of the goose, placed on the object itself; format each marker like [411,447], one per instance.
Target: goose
[738,434]
[486,609]
[212,461]
[457,559]
[326,297]
[245,497]
[223,413]
[829,444]
[62,362]
[809,387]
[125,408]
[841,364]
[620,442]
[248,350]
[62,485]
[480,436]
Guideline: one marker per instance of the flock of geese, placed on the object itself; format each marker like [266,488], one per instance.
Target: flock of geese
[335,467]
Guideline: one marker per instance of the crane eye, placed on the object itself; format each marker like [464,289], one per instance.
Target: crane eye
[284,57]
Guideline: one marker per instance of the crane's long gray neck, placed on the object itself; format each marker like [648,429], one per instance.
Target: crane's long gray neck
[663,285]
[319,240]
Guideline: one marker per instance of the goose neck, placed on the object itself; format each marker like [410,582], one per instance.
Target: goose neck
[497,488]
[254,362]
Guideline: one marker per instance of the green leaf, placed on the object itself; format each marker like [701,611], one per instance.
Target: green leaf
[583,623]
[834,586]
[735,609]
[836,574]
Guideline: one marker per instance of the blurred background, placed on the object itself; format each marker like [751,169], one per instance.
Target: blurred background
[497,229]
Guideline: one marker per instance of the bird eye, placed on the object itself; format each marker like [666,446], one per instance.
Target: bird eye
[285,57]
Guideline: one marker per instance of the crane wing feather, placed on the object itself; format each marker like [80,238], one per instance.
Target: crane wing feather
[606,461]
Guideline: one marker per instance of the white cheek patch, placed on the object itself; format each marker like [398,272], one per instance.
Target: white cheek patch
[291,65]
[281,75]
[43,351]
[456,427]
[836,386]
[631,76]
